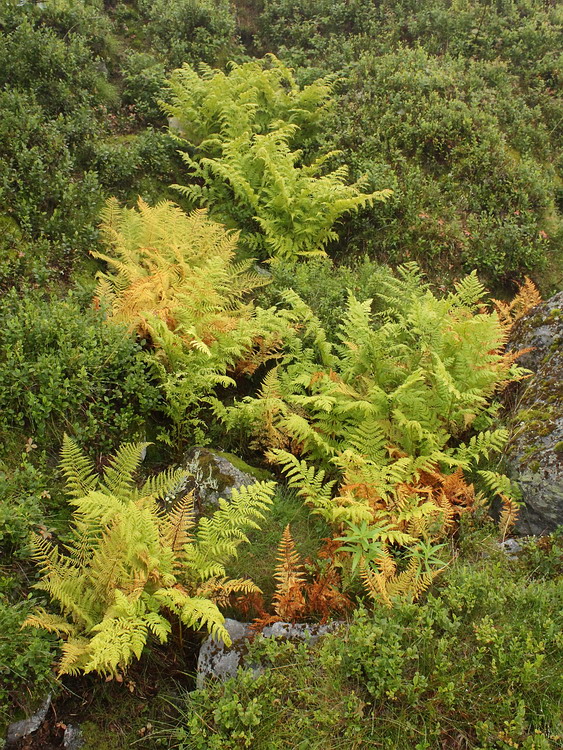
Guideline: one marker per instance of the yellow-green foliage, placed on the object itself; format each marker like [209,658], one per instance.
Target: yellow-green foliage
[213,107]
[244,128]
[128,565]
[385,415]
[172,277]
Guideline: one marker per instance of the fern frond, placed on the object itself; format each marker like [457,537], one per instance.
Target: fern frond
[508,515]
[179,522]
[79,471]
[74,656]
[500,484]
[40,618]
[375,584]
[118,479]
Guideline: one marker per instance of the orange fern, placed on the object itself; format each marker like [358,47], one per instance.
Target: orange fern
[508,516]
[288,600]
[525,299]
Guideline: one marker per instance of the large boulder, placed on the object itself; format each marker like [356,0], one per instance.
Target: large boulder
[535,452]
[213,475]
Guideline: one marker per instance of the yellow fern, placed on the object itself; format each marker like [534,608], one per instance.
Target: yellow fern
[125,561]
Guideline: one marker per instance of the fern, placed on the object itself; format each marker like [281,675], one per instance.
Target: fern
[212,106]
[374,432]
[525,300]
[500,484]
[126,561]
[172,278]
[78,470]
[242,128]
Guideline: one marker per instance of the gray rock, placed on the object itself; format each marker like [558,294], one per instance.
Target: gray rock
[213,475]
[511,547]
[221,662]
[22,728]
[73,739]
[535,452]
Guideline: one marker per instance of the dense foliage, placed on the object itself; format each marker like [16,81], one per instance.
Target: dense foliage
[63,368]
[243,128]
[382,418]
[127,565]
[455,107]
[476,666]
[305,143]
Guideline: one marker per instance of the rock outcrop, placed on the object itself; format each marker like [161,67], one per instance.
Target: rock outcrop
[535,452]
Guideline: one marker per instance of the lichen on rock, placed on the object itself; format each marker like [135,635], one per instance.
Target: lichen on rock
[533,455]
[212,475]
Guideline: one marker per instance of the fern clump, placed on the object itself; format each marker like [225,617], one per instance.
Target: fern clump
[243,128]
[128,567]
[172,277]
[211,107]
[376,431]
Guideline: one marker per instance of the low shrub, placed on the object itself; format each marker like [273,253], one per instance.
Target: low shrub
[144,79]
[472,169]
[26,658]
[63,368]
[23,502]
[477,665]
[190,31]
[324,286]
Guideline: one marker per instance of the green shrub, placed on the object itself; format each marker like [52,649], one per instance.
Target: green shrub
[26,658]
[144,78]
[324,287]
[59,106]
[473,171]
[476,666]
[63,368]
[124,161]
[523,33]
[39,187]
[189,30]
[455,109]
[61,71]
[23,262]
[84,18]
[23,495]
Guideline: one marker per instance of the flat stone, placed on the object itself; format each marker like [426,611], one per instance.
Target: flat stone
[220,661]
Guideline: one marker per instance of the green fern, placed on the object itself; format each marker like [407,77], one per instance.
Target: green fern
[243,128]
[382,422]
